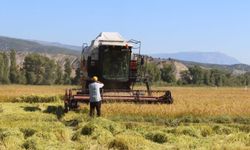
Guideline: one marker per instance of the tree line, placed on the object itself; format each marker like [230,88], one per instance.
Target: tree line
[36,70]
[195,75]
[41,70]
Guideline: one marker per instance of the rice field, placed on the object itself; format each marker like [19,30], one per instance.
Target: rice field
[8,92]
[197,101]
[200,118]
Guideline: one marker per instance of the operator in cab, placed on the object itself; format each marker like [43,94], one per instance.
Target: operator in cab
[95,96]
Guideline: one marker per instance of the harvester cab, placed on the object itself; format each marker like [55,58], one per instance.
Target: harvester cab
[110,57]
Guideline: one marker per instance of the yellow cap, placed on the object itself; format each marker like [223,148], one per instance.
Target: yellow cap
[95,78]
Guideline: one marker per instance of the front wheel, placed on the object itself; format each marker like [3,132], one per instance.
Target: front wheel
[66,107]
[168,97]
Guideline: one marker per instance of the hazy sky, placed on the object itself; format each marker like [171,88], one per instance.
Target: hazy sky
[161,25]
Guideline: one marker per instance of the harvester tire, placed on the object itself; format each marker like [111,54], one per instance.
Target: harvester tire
[66,107]
[73,104]
[168,97]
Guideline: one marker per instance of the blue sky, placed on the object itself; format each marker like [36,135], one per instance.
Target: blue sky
[161,25]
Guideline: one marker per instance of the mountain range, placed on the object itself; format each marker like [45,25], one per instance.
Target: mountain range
[201,57]
[7,43]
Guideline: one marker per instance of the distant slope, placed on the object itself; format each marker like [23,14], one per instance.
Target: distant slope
[72,47]
[7,43]
[201,57]
[59,58]
[181,65]
[235,67]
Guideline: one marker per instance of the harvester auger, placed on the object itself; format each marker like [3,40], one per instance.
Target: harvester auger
[110,58]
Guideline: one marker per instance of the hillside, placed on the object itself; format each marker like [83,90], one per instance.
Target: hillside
[58,52]
[181,65]
[56,44]
[7,43]
[201,57]
[231,68]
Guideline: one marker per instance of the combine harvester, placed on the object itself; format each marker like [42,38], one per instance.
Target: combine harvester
[110,58]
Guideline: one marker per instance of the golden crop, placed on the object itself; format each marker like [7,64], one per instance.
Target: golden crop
[200,118]
[8,92]
[198,101]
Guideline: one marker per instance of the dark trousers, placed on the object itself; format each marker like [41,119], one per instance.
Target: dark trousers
[93,106]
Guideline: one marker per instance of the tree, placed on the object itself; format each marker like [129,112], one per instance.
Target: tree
[77,78]
[59,74]
[206,77]
[50,72]
[1,67]
[4,69]
[21,76]
[167,73]
[196,75]
[217,77]
[247,78]
[30,77]
[153,72]
[39,69]
[32,65]
[67,72]
[13,76]
[185,78]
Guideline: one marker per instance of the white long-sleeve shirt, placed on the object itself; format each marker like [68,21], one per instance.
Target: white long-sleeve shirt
[94,91]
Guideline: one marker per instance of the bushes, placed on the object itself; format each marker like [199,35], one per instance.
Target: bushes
[88,129]
[106,124]
[27,132]
[222,129]
[158,137]
[35,126]
[99,129]
[118,144]
[10,138]
[206,131]
[222,119]
[241,120]
[125,141]
[239,137]
[30,144]
[186,130]
[37,99]
[56,110]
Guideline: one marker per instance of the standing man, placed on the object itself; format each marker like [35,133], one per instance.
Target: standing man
[95,96]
